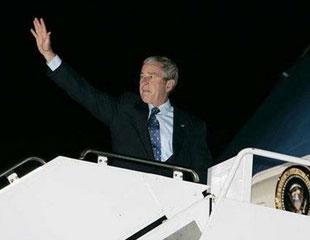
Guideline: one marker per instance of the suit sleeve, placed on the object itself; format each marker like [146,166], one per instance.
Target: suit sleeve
[101,105]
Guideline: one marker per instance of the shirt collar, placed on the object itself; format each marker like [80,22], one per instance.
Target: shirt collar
[164,108]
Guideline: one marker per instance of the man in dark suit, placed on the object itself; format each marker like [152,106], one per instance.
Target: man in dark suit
[146,127]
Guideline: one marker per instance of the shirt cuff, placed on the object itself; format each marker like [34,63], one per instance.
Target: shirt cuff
[54,63]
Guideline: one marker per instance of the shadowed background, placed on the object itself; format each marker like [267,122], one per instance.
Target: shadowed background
[230,54]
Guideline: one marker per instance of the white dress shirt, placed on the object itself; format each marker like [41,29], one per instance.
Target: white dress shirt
[165,119]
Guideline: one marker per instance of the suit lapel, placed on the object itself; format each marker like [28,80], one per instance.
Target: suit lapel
[141,126]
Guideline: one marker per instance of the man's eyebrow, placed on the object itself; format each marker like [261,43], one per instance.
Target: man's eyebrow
[150,73]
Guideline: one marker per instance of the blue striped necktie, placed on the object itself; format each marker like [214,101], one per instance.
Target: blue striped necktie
[153,126]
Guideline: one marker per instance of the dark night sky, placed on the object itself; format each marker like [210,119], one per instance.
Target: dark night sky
[230,55]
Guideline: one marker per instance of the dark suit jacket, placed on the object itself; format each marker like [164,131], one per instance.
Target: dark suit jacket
[126,117]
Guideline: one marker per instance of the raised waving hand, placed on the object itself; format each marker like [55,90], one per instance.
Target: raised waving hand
[43,39]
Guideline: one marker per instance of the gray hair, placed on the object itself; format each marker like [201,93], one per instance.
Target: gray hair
[169,67]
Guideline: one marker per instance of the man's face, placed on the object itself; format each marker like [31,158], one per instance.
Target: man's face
[154,89]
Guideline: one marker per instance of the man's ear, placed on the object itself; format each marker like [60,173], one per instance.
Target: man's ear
[170,85]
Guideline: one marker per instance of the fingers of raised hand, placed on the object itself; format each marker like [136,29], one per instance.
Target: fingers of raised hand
[36,26]
[39,27]
[43,27]
[33,33]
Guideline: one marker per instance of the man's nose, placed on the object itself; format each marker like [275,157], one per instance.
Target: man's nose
[145,79]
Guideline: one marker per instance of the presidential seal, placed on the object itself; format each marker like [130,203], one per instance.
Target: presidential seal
[293,190]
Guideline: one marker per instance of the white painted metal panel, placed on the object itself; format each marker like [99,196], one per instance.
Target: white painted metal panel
[72,199]
[235,220]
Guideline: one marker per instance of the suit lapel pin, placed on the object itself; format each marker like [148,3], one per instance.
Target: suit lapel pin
[182,125]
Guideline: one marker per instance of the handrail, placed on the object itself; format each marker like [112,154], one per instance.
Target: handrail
[253,152]
[144,161]
[261,153]
[37,159]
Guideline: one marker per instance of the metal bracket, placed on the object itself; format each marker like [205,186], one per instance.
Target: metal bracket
[102,160]
[12,177]
[178,175]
